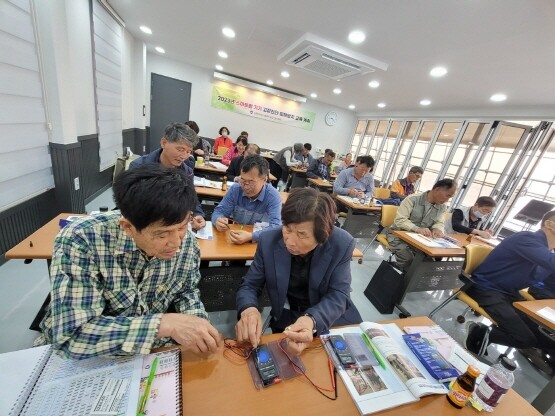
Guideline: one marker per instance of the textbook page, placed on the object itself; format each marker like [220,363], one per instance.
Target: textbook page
[388,339]
[374,388]
[432,242]
[69,387]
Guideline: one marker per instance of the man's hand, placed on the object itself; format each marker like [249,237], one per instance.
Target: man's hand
[424,231]
[199,152]
[221,224]
[198,222]
[240,237]
[299,335]
[249,327]
[484,233]
[437,233]
[353,192]
[194,333]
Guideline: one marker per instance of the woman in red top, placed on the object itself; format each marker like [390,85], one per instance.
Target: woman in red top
[237,150]
[223,140]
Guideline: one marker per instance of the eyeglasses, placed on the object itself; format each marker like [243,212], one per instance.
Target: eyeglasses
[248,182]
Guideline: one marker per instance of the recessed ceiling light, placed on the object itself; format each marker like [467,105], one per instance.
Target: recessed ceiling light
[159,49]
[498,97]
[356,36]
[425,102]
[374,84]
[314,95]
[285,74]
[146,30]
[381,105]
[219,67]
[228,32]
[352,106]
[222,54]
[337,90]
[270,82]
[438,71]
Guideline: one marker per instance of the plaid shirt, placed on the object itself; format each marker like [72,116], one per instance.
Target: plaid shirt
[107,297]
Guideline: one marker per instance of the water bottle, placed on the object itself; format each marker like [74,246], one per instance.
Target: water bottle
[497,381]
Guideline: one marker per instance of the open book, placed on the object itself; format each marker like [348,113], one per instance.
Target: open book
[401,379]
[37,381]
[198,181]
[444,242]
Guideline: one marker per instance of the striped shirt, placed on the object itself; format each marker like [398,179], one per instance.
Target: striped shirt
[107,298]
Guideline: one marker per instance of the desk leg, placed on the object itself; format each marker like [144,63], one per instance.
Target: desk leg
[546,398]
[40,315]
[348,220]
[42,311]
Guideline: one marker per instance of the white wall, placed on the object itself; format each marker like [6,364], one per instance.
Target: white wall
[264,133]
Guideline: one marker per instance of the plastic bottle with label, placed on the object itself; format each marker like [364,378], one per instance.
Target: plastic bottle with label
[461,389]
[497,381]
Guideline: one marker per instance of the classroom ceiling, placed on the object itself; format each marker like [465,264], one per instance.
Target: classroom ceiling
[488,47]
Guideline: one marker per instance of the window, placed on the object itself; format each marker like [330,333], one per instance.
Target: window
[25,163]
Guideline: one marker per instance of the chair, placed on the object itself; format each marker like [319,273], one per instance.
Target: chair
[222,150]
[382,193]
[388,215]
[475,255]
[527,296]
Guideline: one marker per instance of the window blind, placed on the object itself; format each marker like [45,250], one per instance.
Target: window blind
[107,45]
[25,164]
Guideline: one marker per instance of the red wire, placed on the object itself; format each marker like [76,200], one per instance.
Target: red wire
[298,369]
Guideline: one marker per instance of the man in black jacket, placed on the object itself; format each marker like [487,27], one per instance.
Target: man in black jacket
[234,169]
[321,168]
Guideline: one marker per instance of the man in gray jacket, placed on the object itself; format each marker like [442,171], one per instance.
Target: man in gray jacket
[422,214]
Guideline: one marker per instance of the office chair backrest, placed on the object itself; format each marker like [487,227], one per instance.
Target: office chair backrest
[388,215]
[382,193]
[475,255]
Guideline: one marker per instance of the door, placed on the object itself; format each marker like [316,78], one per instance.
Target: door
[170,101]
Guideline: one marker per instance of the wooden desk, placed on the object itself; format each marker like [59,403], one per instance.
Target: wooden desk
[214,385]
[531,308]
[42,239]
[425,274]
[320,184]
[357,223]
[298,177]
[213,172]
[546,398]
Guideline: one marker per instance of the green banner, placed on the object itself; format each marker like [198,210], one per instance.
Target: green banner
[259,105]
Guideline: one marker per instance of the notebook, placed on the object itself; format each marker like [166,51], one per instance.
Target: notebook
[165,392]
[37,381]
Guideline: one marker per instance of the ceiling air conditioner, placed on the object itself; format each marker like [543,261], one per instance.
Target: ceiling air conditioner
[328,60]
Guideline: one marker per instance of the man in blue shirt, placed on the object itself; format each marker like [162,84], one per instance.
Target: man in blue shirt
[516,263]
[252,200]
[355,182]
[175,148]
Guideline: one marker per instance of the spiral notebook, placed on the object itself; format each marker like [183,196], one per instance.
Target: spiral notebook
[36,381]
[165,392]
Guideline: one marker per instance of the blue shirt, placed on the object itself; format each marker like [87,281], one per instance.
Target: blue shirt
[346,180]
[154,157]
[516,263]
[266,207]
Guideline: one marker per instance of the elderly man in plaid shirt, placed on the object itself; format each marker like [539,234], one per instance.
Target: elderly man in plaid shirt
[125,282]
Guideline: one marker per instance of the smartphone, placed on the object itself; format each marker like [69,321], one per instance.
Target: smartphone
[265,365]
[342,351]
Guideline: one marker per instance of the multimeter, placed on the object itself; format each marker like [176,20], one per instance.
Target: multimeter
[342,351]
[265,365]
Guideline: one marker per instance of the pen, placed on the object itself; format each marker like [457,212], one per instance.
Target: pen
[144,399]
[374,350]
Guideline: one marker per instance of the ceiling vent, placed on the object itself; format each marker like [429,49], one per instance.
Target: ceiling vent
[328,60]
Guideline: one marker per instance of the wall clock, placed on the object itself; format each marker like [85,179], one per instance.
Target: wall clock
[331,118]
